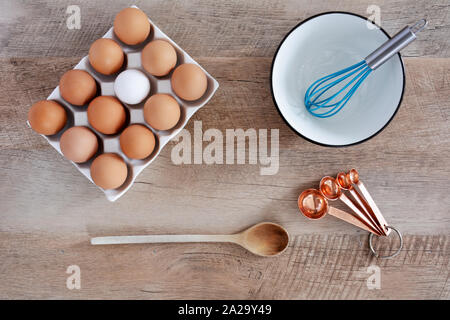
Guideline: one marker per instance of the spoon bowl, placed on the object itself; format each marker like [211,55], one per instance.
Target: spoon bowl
[353,176]
[265,239]
[312,204]
[344,181]
[330,188]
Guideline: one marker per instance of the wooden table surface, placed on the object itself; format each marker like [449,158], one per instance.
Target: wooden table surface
[49,211]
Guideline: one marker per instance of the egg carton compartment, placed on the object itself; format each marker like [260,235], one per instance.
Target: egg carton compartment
[77,116]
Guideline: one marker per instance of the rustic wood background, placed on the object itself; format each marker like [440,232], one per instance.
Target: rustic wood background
[48,210]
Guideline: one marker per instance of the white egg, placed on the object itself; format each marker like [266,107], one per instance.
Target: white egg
[132,86]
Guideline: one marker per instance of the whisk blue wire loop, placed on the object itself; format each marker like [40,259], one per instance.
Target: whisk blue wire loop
[355,75]
[330,106]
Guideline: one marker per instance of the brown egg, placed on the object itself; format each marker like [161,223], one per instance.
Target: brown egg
[78,144]
[137,142]
[109,171]
[161,111]
[77,87]
[106,56]
[131,26]
[189,82]
[159,57]
[106,114]
[47,117]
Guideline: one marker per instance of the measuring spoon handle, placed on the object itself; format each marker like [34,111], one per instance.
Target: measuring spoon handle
[373,205]
[368,212]
[359,214]
[348,217]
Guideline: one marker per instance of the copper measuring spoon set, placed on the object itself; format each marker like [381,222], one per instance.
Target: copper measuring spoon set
[313,203]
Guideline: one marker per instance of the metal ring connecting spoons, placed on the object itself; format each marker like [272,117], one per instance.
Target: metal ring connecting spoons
[395,253]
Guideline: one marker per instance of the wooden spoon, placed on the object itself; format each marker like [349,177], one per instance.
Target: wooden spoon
[264,239]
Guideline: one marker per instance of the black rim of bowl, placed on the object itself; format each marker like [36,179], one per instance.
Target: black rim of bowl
[278,108]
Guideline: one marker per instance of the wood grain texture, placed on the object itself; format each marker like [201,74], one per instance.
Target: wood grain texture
[48,210]
[206,28]
[315,266]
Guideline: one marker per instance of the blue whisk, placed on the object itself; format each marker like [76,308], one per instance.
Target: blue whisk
[351,78]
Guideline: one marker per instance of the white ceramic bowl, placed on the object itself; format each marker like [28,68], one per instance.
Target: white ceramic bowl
[321,45]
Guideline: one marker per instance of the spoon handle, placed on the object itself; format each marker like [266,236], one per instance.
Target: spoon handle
[359,213]
[368,212]
[373,205]
[348,217]
[162,239]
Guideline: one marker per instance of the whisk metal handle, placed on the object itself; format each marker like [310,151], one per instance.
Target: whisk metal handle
[394,45]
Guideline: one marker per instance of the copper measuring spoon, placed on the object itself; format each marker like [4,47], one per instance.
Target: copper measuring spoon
[332,191]
[314,205]
[264,239]
[353,177]
[344,181]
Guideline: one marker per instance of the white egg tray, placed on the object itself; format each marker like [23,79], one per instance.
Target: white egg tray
[77,116]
